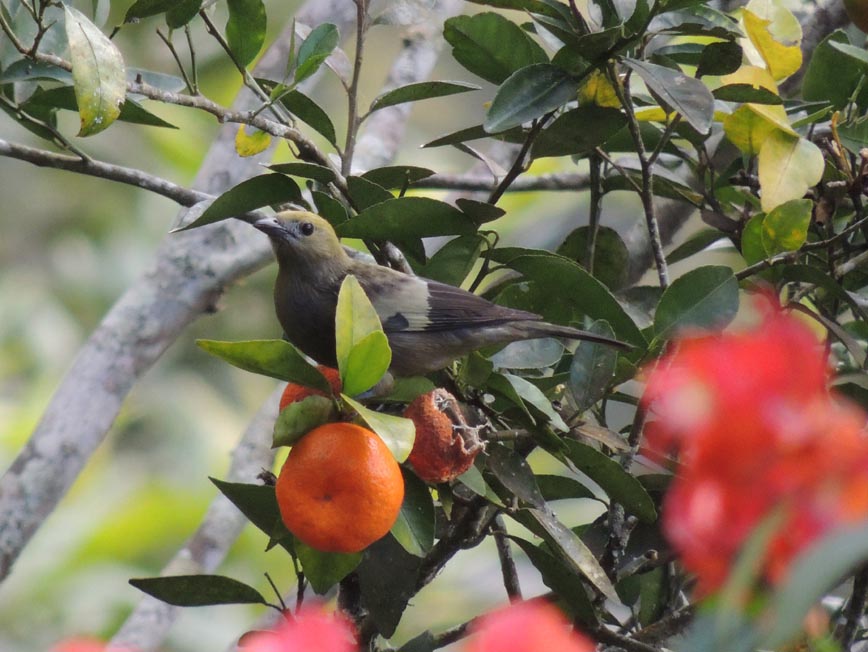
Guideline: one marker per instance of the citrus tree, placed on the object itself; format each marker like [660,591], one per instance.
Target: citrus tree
[732,492]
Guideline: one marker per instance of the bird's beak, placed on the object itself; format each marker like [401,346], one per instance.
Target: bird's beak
[271,227]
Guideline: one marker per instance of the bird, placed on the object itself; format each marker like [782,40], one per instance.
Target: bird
[428,324]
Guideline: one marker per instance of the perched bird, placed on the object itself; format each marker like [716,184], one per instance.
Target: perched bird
[428,324]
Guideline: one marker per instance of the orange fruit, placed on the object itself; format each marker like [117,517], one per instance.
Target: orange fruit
[445,445]
[340,489]
[295,393]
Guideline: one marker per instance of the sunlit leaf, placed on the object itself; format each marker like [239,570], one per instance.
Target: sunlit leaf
[785,228]
[398,433]
[249,141]
[362,349]
[98,73]
[299,418]
[788,167]
[782,59]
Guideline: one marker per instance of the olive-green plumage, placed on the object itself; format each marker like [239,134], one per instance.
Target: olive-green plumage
[428,324]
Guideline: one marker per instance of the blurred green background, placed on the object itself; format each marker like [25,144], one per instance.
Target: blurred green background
[70,246]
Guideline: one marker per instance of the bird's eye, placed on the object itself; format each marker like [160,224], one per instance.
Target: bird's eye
[306,228]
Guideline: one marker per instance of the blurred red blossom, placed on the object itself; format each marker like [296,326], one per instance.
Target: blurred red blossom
[310,630]
[756,430]
[527,627]
[86,644]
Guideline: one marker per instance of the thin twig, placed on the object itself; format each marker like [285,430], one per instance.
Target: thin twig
[646,194]
[168,42]
[518,165]
[605,635]
[559,181]
[507,563]
[353,91]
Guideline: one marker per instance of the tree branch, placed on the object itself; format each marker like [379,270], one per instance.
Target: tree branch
[569,181]
[149,623]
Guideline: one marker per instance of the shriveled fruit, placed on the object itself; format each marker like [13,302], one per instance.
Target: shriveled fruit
[295,392]
[340,489]
[857,10]
[445,445]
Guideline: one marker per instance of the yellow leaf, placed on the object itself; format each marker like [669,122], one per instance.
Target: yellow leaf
[598,90]
[753,76]
[788,166]
[750,125]
[251,143]
[652,114]
[781,59]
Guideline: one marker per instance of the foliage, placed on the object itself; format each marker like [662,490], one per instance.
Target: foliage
[674,101]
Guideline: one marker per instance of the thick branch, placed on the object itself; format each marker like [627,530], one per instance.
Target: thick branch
[150,621]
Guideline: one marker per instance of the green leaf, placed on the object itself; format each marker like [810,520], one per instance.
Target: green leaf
[785,228]
[330,208]
[578,131]
[567,280]
[407,217]
[420,91]
[478,45]
[678,92]
[611,258]
[245,29]
[253,193]
[315,49]
[697,242]
[788,167]
[365,193]
[63,97]
[299,418]
[414,529]
[515,135]
[454,260]
[721,58]
[276,358]
[397,176]
[592,368]
[705,298]
[559,487]
[620,486]
[257,502]
[567,585]
[362,349]
[305,170]
[397,432]
[812,574]
[98,73]
[746,93]
[833,75]
[513,472]
[325,569]
[752,248]
[309,112]
[571,550]
[529,354]
[182,12]
[534,396]
[527,94]
[144,8]
[479,211]
[198,590]
[388,577]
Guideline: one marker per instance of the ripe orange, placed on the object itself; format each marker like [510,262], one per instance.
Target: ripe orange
[295,393]
[340,489]
[445,445]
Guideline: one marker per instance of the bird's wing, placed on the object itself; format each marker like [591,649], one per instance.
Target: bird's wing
[411,303]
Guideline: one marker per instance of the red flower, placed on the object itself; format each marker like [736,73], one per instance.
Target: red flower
[311,630]
[85,644]
[527,627]
[756,430]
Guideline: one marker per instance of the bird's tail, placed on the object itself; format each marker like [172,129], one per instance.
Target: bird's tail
[545,329]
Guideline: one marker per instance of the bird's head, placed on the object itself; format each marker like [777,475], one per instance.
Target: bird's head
[300,237]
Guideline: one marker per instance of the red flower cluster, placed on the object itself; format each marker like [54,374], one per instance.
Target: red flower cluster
[310,630]
[527,627]
[756,430]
